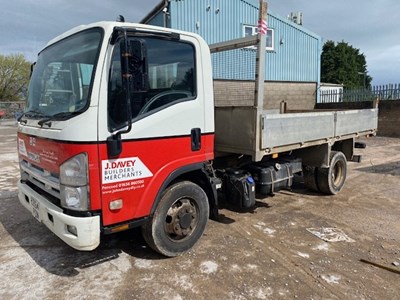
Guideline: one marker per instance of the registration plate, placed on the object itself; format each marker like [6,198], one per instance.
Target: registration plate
[35,208]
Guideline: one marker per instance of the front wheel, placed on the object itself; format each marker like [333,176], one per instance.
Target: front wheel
[179,220]
[331,180]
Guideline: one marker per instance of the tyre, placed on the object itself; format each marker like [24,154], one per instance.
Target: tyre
[331,180]
[310,178]
[179,219]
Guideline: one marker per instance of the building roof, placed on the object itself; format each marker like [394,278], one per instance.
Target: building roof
[327,84]
[164,3]
[158,8]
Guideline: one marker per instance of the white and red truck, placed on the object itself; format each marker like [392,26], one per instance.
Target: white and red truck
[120,131]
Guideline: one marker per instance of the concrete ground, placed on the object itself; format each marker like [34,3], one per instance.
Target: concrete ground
[276,251]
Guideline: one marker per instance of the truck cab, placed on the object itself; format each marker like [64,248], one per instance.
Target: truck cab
[118,115]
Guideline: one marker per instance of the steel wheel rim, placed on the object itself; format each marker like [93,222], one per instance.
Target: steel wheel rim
[182,219]
[337,174]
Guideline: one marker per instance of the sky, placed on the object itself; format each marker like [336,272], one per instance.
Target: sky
[371,26]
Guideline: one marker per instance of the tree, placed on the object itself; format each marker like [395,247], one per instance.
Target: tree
[344,64]
[14,77]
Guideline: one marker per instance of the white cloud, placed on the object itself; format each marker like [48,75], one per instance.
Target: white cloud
[385,64]
[370,26]
[27,25]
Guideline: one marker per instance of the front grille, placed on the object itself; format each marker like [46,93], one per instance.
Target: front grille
[49,197]
[42,181]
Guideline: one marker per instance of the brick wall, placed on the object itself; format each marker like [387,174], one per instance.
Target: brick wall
[299,96]
[389,118]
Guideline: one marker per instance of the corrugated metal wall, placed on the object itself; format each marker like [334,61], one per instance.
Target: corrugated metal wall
[297,51]
[214,20]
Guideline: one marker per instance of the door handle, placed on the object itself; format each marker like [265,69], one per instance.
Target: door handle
[196,139]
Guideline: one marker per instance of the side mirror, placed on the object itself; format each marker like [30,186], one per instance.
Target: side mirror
[114,145]
[135,65]
[139,66]
[135,78]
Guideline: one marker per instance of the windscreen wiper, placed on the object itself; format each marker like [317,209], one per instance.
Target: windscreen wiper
[57,117]
[30,114]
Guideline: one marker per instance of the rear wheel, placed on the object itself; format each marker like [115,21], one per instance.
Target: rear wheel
[331,180]
[179,220]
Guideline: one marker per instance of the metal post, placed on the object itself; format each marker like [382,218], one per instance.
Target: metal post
[259,84]
[260,60]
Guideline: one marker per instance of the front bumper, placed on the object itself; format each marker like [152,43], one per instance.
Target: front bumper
[81,233]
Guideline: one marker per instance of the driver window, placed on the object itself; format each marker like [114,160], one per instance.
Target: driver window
[171,73]
[171,76]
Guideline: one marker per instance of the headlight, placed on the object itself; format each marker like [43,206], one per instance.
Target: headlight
[74,172]
[76,198]
[74,183]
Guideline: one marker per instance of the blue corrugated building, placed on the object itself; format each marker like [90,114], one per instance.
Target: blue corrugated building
[293,53]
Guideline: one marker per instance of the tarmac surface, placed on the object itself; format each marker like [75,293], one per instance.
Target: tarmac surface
[295,245]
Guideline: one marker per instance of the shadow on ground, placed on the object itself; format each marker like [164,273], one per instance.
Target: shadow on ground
[56,257]
[392,168]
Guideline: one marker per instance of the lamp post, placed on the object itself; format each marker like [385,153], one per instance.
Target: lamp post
[365,78]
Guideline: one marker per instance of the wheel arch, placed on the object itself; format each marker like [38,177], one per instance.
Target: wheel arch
[346,147]
[195,173]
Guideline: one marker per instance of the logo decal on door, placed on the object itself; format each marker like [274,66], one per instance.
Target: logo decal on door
[126,169]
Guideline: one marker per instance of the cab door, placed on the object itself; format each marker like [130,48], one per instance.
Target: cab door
[167,129]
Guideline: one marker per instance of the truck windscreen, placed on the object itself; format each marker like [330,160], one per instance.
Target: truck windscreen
[62,79]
